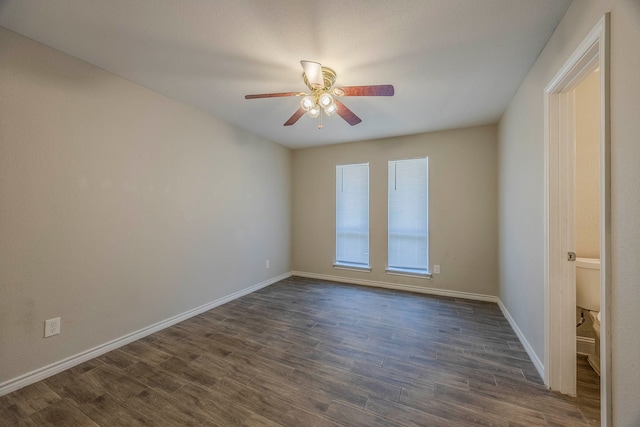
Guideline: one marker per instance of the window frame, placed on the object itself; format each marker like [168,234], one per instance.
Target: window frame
[400,270]
[344,264]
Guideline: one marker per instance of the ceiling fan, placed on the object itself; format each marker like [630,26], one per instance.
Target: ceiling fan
[323,95]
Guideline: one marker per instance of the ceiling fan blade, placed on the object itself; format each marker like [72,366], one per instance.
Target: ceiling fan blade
[273,95]
[348,115]
[293,119]
[375,90]
[313,71]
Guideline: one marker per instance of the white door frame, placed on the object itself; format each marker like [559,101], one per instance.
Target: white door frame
[560,292]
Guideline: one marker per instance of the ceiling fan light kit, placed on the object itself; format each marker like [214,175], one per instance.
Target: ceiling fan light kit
[320,81]
[314,112]
[330,109]
[307,102]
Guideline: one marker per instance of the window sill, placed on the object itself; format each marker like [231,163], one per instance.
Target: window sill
[353,267]
[422,274]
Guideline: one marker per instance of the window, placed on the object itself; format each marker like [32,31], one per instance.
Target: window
[352,216]
[409,216]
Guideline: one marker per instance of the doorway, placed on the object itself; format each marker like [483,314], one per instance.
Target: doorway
[560,290]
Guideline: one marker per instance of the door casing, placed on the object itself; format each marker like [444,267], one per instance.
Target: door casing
[560,292]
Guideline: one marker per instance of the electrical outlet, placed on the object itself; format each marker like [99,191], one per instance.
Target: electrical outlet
[51,327]
[436,269]
[267,264]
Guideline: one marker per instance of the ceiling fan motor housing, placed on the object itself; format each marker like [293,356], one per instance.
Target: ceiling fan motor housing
[329,77]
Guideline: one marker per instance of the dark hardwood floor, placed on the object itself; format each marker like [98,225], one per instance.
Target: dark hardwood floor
[308,353]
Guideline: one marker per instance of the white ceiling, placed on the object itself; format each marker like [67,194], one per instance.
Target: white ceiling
[454,63]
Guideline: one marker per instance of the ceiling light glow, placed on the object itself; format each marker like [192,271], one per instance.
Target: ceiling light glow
[314,112]
[325,100]
[307,103]
[313,71]
[329,110]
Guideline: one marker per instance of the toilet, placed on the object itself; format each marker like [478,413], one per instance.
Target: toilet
[588,284]
[588,298]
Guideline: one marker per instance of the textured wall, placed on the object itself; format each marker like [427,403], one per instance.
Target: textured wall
[587,187]
[462,206]
[120,208]
[625,209]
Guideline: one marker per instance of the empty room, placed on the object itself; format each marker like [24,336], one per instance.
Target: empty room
[337,213]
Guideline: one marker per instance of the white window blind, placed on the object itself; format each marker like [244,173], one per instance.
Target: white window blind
[352,215]
[409,215]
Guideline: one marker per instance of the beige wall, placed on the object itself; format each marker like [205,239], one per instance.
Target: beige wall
[587,186]
[120,208]
[462,207]
[587,183]
[521,192]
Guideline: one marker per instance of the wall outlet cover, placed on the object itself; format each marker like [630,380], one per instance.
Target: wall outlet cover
[51,327]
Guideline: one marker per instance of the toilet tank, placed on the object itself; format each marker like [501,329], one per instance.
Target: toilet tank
[588,283]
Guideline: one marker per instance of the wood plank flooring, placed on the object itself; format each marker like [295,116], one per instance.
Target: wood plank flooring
[307,353]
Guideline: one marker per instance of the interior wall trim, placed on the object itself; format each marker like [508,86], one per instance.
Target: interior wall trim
[559,162]
[69,362]
[523,340]
[398,286]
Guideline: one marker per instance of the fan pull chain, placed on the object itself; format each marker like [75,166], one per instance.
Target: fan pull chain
[320,125]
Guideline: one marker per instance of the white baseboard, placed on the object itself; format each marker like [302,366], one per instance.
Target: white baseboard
[69,362]
[64,364]
[585,345]
[398,286]
[532,355]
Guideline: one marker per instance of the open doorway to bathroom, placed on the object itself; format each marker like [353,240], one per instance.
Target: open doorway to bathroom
[586,107]
[571,164]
